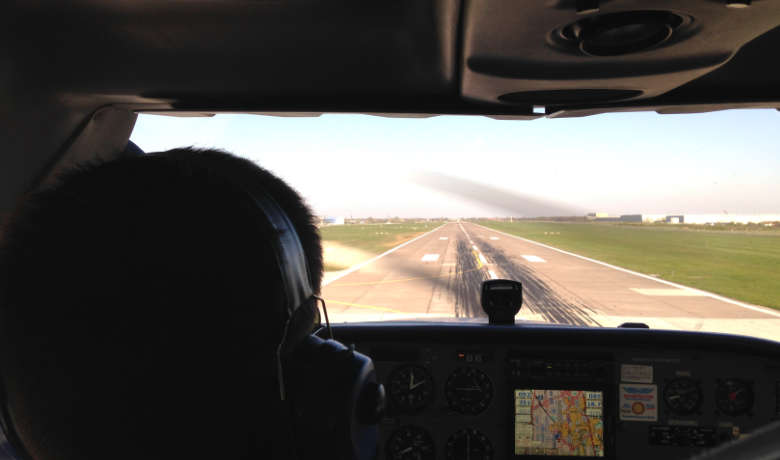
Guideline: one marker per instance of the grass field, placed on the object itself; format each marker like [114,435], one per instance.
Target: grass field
[740,265]
[370,239]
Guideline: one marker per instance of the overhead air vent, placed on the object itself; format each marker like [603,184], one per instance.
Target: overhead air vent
[616,34]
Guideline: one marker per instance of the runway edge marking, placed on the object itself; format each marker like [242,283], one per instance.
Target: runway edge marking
[357,267]
[642,275]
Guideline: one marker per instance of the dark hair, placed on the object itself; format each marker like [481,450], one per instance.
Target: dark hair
[140,305]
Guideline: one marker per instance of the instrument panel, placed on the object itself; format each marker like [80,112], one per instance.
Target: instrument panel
[481,392]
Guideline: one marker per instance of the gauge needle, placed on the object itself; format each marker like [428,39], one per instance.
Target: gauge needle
[406,451]
[415,385]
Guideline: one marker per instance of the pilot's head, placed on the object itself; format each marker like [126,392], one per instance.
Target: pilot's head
[140,311]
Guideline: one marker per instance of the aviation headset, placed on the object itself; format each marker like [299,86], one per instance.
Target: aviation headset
[328,392]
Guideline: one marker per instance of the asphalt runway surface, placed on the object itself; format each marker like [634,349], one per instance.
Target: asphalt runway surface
[438,275]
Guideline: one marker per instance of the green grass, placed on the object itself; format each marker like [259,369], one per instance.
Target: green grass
[373,238]
[740,265]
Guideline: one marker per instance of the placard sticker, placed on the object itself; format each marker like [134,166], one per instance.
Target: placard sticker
[639,402]
[636,373]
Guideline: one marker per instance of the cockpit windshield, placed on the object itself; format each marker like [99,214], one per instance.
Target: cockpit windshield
[668,220]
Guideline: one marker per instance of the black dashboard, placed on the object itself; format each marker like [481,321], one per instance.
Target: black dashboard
[475,391]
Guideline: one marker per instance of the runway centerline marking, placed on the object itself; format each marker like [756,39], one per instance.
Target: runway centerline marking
[641,275]
[492,274]
[494,238]
[480,259]
[477,258]
[430,258]
[443,238]
[531,258]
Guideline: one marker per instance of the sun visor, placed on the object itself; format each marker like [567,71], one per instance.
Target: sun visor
[240,54]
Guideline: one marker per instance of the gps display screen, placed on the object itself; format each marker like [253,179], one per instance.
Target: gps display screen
[559,422]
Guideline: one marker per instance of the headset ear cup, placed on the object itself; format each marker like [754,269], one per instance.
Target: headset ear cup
[336,399]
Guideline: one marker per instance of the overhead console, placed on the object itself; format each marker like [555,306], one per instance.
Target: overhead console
[588,52]
[470,391]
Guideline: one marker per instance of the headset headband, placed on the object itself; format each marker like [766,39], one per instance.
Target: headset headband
[288,252]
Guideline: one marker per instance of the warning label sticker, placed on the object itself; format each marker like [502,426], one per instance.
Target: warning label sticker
[639,402]
[636,373]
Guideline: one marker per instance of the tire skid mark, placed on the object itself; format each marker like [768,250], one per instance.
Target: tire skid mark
[538,296]
[469,283]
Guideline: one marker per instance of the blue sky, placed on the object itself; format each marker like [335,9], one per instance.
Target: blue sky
[364,165]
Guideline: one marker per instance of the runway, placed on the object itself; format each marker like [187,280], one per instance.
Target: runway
[438,275]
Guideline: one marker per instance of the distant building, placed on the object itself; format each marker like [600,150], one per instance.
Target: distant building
[599,216]
[678,219]
[653,218]
[333,220]
[696,219]
[731,218]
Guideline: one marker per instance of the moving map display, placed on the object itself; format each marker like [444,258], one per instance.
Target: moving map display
[559,422]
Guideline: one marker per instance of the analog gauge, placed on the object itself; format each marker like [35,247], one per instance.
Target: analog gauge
[734,397]
[410,388]
[469,444]
[682,396]
[410,443]
[469,390]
